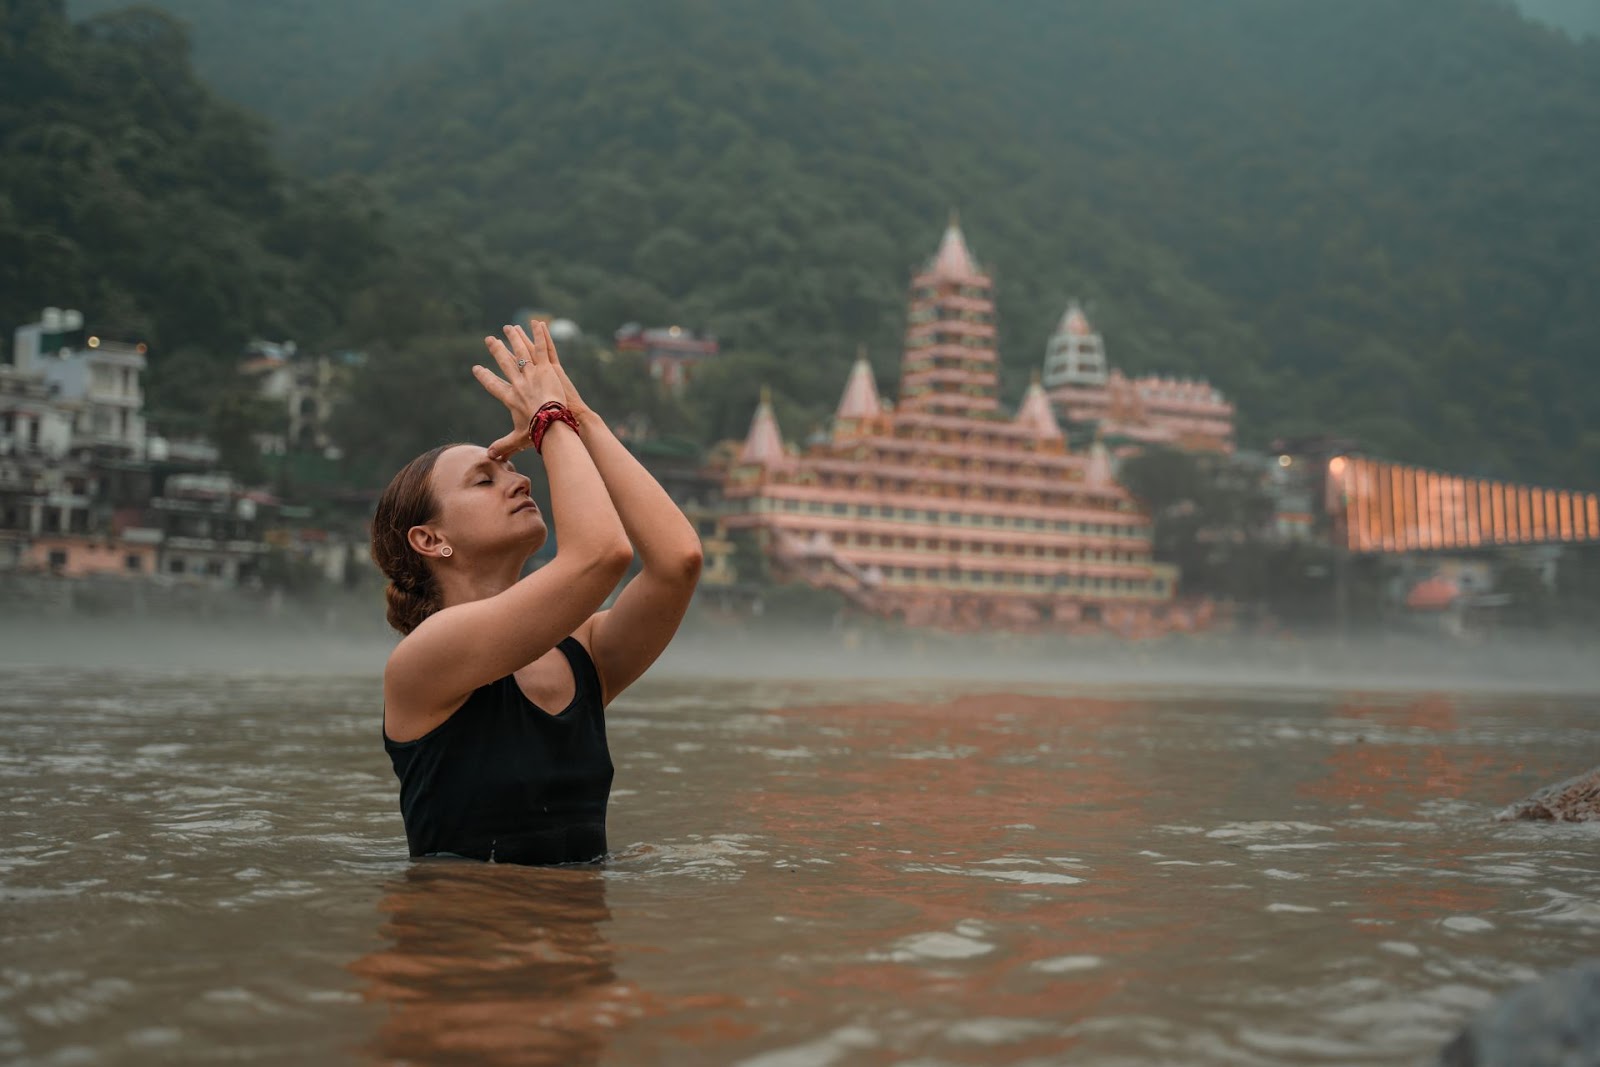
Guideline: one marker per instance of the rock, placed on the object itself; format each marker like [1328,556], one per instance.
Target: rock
[1554,1022]
[1574,800]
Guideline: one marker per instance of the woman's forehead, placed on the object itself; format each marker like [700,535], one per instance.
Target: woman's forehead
[453,463]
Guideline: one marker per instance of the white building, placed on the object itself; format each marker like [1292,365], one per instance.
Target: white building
[307,386]
[98,384]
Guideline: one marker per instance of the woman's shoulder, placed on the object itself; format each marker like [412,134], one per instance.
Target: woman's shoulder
[584,671]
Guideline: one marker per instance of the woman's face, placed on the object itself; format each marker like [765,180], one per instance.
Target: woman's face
[484,505]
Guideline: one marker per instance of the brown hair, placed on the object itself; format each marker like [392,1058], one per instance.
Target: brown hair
[413,593]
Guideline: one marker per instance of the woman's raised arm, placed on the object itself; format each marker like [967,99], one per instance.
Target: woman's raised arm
[466,645]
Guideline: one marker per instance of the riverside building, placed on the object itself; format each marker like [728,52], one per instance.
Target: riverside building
[1100,400]
[941,510]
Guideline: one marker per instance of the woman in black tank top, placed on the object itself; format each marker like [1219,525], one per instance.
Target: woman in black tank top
[494,700]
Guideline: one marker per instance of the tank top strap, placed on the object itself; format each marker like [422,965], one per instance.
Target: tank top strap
[584,673]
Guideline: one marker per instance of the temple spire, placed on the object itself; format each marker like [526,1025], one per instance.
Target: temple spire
[953,261]
[860,399]
[763,444]
[1074,321]
[1036,413]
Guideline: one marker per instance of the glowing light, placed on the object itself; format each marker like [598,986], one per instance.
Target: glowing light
[94,342]
[1335,465]
[1284,461]
[141,348]
[1385,509]
[1408,490]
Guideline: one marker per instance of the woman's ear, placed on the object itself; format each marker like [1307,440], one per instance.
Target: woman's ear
[425,541]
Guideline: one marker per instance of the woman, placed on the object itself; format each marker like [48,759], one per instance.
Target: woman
[493,699]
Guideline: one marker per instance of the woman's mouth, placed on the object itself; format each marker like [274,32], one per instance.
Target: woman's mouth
[526,505]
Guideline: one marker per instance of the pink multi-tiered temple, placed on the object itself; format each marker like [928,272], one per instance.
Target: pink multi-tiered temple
[1139,411]
[943,511]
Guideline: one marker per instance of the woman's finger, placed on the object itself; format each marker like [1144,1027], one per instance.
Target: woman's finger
[535,354]
[510,445]
[519,344]
[538,340]
[497,386]
[502,357]
[549,343]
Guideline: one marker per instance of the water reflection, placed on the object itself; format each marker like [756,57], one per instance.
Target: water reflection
[494,964]
[977,852]
[910,876]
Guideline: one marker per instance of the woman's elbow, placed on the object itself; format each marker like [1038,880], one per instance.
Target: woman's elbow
[688,563]
[616,557]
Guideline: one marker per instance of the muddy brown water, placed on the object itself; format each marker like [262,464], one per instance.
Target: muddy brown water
[206,868]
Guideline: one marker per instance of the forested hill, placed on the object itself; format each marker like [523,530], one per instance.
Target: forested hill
[286,59]
[129,190]
[1372,216]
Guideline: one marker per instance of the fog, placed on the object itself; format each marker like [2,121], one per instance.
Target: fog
[824,661]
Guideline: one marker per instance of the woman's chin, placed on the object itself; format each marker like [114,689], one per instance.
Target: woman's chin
[533,534]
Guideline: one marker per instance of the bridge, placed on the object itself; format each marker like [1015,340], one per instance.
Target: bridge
[1381,507]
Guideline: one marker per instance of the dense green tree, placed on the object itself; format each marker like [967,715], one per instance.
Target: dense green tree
[286,58]
[129,190]
[1370,217]
[1384,205]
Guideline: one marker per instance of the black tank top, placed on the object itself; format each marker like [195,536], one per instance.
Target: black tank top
[502,779]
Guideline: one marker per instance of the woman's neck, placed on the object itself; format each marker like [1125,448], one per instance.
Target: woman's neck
[462,586]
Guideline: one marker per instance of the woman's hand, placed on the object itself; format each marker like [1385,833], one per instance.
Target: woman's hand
[533,378]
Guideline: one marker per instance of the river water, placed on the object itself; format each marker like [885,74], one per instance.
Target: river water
[199,868]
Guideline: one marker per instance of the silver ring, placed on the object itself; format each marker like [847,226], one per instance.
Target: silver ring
[521,363]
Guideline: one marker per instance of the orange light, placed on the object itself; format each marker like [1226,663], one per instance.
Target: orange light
[1449,510]
[1366,483]
[1484,530]
[1385,507]
[1429,511]
[141,348]
[1397,508]
[1356,514]
[1335,465]
[1405,519]
[1458,503]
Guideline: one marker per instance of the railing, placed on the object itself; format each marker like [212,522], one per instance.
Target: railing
[1389,507]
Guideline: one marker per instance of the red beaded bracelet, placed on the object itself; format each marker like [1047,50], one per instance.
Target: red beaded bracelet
[554,411]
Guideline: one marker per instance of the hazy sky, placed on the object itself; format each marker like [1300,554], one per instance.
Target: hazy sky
[1578,16]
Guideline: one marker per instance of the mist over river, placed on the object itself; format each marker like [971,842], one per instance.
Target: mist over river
[206,864]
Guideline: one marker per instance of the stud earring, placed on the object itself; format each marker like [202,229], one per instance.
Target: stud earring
[446,551]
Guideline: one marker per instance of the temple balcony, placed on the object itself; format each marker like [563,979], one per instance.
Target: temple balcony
[909,474]
[946,302]
[1061,468]
[1088,532]
[927,348]
[946,561]
[949,375]
[951,330]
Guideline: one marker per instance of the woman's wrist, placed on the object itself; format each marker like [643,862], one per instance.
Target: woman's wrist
[550,413]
